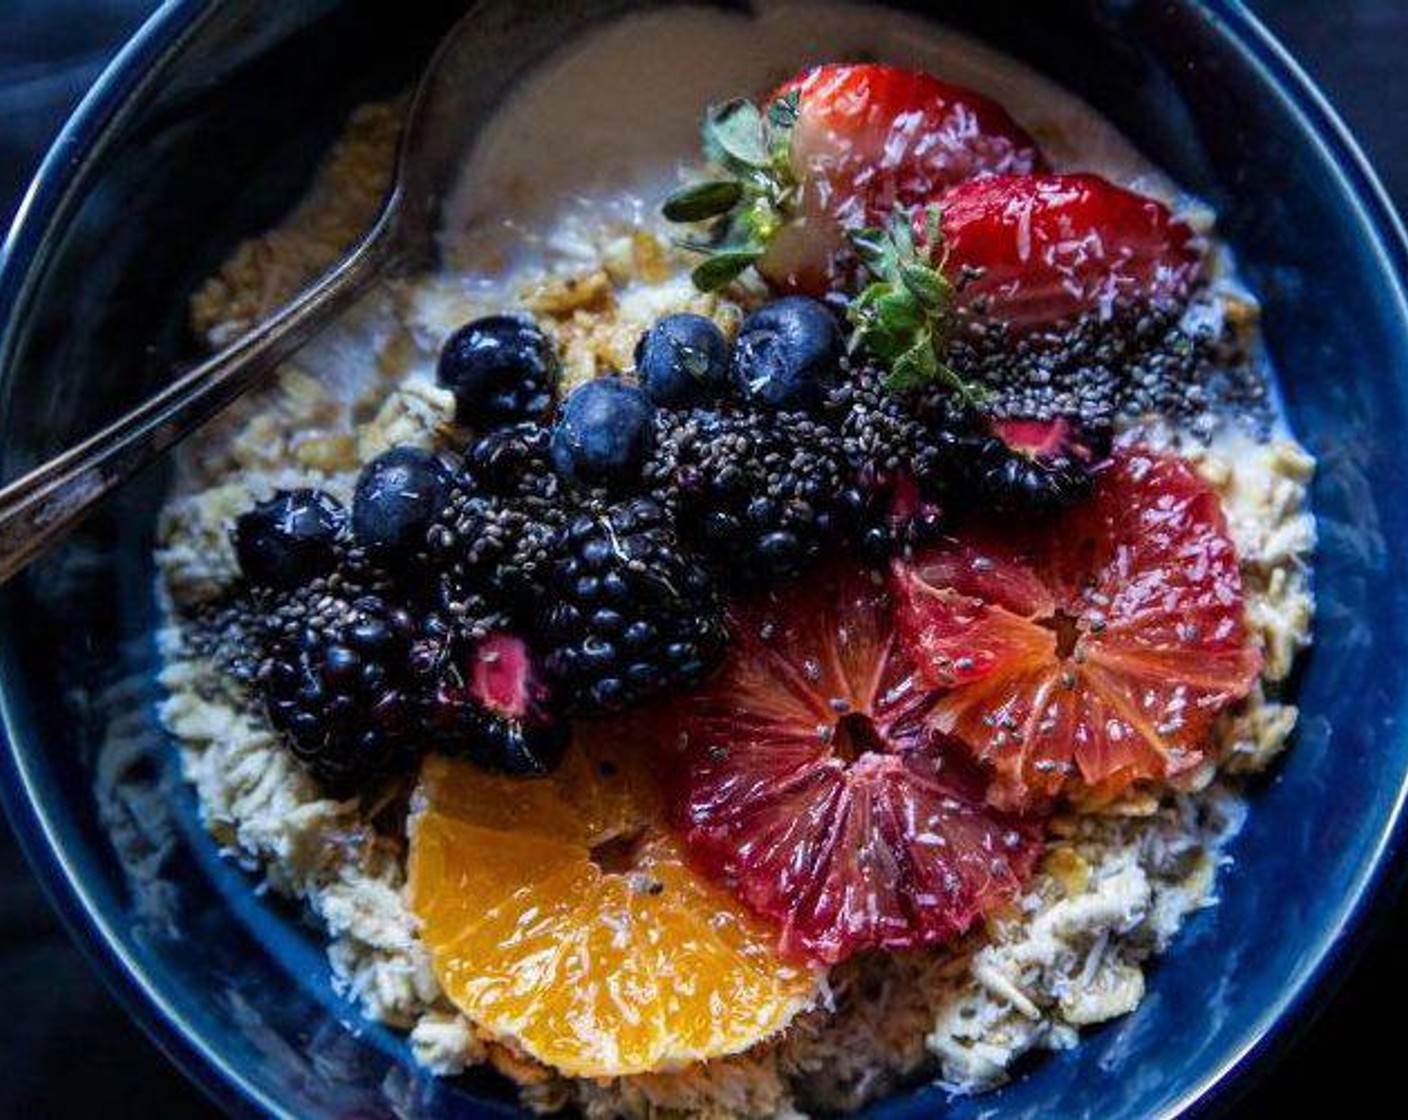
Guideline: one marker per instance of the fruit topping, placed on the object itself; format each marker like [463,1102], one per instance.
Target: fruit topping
[491,544]
[904,316]
[398,496]
[603,433]
[337,680]
[755,493]
[808,777]
[290,539]
[498,711]
[788,354]
[1033,464]
[560,919]
[837,148]
[1088,651]
[628,613]
[1033,250]
[502,369]
[682,361]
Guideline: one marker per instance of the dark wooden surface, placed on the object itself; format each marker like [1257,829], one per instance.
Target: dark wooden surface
[66,1050]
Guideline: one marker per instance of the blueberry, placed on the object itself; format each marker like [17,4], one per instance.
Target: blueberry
[290,539]
[788,354]
[398,497]
[604,433]
[682,361]
[501,369]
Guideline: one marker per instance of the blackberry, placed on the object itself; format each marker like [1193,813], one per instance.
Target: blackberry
[757,494]
[489,547]
[631,614]
[1033,465]
[494,707]
[340,678]
[884,434]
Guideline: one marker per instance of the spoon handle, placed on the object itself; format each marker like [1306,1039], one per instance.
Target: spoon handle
[41,506]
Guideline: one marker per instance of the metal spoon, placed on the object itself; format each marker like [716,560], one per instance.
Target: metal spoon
[41,506]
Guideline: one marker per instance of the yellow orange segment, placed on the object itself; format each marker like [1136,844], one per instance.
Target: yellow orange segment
[558,916]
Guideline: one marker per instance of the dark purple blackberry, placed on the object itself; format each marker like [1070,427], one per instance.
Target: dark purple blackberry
[1033,465]
[755,493]
[489,548]
[629,613]
[885,435]
[494,707]
[340,678]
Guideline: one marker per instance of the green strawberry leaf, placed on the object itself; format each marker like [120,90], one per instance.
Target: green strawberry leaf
[699,202]
[734,136]
[904,315]
[927,286]
[723,268]
[754,197]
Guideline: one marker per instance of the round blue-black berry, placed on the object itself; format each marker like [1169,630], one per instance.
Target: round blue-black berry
[398,496]
[502,370]
[788,354]
[603,434]
[682,361]
[291,539]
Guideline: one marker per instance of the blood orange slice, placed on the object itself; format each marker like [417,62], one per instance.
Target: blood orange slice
[1090,651]
[560,918]
[807,779]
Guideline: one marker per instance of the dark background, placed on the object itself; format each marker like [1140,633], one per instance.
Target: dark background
[67,1050]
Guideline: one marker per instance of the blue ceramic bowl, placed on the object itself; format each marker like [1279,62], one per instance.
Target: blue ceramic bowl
[188,144]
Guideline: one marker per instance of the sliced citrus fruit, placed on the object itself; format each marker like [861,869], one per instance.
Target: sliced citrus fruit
[806,778]
[560,919]
[1091,650]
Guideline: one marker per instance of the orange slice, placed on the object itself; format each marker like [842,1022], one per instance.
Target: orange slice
[560,918]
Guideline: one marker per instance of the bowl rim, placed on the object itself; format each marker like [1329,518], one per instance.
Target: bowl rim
[52,188]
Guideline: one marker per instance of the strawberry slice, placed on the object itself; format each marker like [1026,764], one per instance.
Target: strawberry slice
[834,149]
[1088,651]
[1049,248]
[807,779]
[1029,251]
[869,140]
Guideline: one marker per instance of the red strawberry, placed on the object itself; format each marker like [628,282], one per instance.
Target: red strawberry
[1033,251]
[1049,248]
[806,779]
[840,147]
[1087,651]
[873,139]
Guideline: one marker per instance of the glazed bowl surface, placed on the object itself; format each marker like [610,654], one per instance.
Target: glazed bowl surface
[189,143]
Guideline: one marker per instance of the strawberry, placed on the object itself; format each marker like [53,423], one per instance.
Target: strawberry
[1043,249]
[1029,251]
[837,148]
